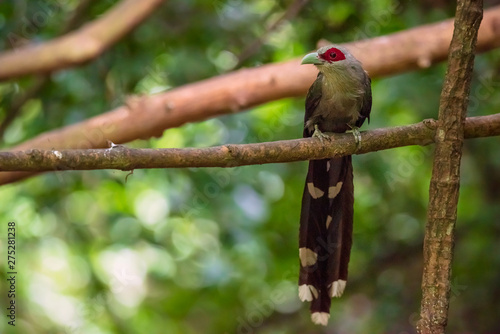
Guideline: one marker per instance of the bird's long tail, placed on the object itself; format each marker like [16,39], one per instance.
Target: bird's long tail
[325,235]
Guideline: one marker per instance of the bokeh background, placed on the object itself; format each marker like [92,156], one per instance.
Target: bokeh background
[215,250]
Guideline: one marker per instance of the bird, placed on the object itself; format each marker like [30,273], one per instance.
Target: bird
[339,100]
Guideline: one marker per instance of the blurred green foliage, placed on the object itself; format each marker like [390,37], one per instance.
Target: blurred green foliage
[215,250]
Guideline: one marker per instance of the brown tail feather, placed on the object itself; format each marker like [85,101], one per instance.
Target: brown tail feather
[325,235]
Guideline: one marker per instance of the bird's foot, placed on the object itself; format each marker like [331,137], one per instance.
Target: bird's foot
[357,135]
[318,134]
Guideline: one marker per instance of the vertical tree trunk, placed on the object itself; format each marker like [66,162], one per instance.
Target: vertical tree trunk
[445,181]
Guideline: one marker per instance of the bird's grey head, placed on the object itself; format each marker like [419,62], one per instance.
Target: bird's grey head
[337,64]
[330,56]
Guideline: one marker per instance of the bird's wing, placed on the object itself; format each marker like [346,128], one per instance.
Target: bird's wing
[312,100]
[366,108]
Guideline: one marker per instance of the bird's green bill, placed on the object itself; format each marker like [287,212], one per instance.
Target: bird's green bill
[311,58]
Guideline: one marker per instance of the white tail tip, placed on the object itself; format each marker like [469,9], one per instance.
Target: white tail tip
[307,292]
[320,318]
[337,288]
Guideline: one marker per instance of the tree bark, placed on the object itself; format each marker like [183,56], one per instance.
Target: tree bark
[445,180]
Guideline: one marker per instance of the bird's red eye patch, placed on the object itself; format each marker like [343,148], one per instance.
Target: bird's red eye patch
[332,54]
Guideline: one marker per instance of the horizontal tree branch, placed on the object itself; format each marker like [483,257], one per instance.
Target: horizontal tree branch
[77,47]
[123,158]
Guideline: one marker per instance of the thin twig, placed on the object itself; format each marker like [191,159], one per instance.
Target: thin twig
[18,102]
[76,17]
[253,47]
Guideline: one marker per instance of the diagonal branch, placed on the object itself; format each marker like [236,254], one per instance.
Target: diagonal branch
[144,117]
[42,80]
[80,46]
[120,157]
[445,181]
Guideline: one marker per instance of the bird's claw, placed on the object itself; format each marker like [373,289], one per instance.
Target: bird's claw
[318,134]
[357,135]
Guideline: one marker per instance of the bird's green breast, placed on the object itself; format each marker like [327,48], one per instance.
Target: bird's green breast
[341,100]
